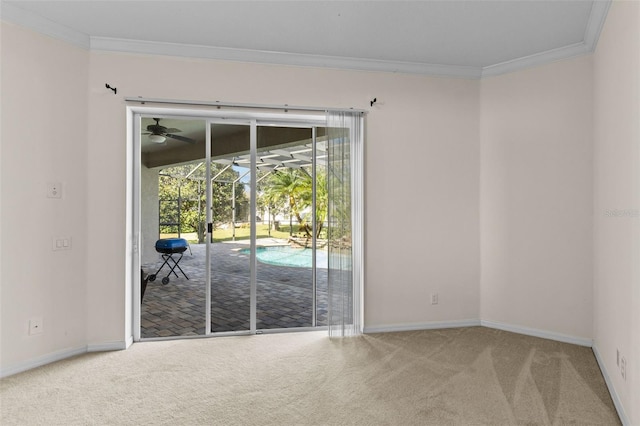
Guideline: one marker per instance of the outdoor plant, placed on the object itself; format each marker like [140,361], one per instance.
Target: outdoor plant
[183,198]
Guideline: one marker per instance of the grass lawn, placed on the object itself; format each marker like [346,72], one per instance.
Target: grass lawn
[242,233]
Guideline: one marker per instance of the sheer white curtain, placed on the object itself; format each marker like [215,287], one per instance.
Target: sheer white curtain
[345,222]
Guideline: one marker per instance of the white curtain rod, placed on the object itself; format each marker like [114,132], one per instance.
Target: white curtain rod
[241,105]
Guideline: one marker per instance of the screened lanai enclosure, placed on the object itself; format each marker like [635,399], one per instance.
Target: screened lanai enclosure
[198,188]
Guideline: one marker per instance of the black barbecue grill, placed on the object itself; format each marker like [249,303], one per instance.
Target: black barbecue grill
[168,248]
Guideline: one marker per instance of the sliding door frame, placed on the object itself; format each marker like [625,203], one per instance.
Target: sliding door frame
[212,116]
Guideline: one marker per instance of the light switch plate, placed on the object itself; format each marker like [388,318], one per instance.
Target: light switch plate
[61,243]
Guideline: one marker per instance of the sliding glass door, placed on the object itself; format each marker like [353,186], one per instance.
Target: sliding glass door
[236,225]
[230,253]
[173,196]
[285,240]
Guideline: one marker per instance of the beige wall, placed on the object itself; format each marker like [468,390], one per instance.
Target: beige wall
[536,198]
[421,161]
[44,139]
[617,188]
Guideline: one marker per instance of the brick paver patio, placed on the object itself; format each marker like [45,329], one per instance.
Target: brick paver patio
[284,295]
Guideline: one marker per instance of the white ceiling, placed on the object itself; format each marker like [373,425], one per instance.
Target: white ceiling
[459,38]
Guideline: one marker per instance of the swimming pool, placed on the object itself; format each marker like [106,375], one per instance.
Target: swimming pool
[289,256]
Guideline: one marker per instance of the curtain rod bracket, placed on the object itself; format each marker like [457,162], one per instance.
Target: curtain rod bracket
[115,90]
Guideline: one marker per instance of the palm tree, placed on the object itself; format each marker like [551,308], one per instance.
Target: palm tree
[294,187]
[321,199]
[290,186]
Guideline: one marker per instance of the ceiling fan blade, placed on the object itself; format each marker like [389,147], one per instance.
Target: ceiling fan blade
[172,130]
[180,138]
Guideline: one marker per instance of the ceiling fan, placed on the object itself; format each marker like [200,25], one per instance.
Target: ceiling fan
[159,134]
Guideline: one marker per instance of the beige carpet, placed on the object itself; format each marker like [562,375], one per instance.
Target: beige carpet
[465,376]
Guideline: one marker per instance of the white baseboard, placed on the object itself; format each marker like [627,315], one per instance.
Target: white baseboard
[485,323]
[42,360]
[612,390]
[422,326]
[581,341]
[60,355]
[107,346]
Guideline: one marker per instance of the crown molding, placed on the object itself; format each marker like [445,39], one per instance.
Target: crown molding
[536,60]
[599,11]
[278,58]
[597,17]
[24,18]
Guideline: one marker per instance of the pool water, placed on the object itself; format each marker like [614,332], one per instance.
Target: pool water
[289,256]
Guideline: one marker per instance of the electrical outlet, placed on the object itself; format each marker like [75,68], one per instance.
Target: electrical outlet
[36,326]
[54,190]
[434,298]
[623,367]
